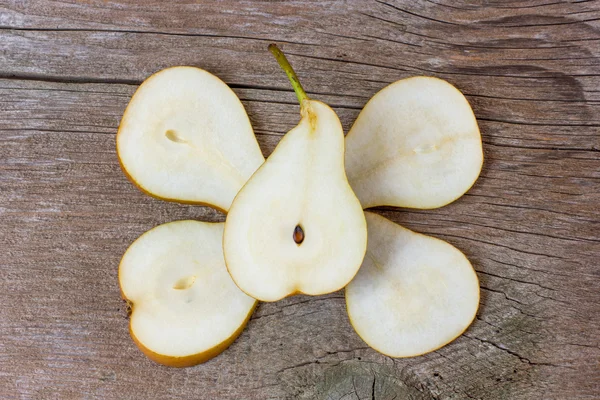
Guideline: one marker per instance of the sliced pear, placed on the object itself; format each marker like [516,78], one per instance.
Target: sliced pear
[296,226]
[413,293]
[415,144]
[186,137]
[185,307]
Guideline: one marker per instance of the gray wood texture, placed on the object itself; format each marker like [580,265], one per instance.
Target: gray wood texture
[531,224]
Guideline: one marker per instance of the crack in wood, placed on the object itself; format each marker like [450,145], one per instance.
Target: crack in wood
[510,122]
[284,306]
[515,354]
[417,15]
[373,387]
[317,360]
[394,41]
[582,21]
[396,24]
[28,76]
[516,280]
[162,33]
[505,247]
[519,7]
[532,100]
[531,208]
[504,294]
[551,148]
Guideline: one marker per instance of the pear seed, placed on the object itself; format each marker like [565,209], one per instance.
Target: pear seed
[298,235]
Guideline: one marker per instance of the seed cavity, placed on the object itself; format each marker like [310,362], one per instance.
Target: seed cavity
[425,148]
[298,235]
[174,137]
[185,283]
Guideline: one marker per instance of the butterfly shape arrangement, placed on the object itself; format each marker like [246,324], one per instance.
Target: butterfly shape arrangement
[186,137]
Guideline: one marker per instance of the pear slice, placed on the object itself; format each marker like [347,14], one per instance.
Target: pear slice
[186,137]
[296,226]
[413,293]
[185,307]
[415,144]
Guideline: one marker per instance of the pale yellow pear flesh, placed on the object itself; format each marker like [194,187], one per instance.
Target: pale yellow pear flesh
[415,144]
[302,183]
[185,136]
[185,307]
[413,293]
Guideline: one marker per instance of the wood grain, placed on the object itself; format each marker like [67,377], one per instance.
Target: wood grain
[531,224]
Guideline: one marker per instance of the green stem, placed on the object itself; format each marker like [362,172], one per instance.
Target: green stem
[289,71]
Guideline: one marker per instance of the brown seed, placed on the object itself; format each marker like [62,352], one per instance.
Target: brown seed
[298,234]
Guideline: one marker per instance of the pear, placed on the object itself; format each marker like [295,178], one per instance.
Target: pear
[186,137]
[185,309]
[296,225]
[415,144]
[413,293]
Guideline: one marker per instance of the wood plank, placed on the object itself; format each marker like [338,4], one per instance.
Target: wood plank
[530,225]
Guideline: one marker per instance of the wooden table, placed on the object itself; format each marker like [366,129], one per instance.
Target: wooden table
[531,224]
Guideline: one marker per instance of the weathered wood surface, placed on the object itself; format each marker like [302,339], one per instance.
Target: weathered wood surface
[531,224]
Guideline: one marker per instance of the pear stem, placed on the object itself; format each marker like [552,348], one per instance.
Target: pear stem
[289,71]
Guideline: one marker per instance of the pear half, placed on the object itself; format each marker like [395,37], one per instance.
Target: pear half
[296,226]
[413,293]
[185,307]
[185,136]
[415,144]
